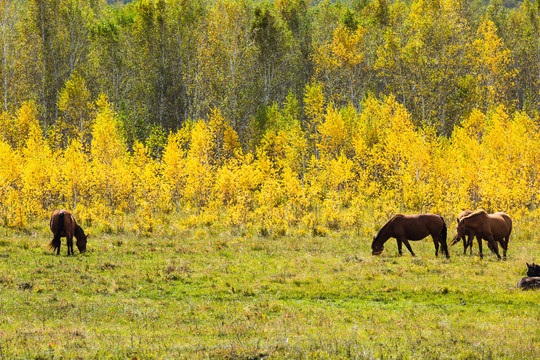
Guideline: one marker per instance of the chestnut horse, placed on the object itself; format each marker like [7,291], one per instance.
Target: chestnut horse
[63,224]
[412,227]
[494,228]
[467,237]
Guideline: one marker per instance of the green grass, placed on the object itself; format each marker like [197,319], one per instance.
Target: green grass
[227,293]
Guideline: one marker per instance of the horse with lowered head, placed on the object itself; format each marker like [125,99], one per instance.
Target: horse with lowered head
[494,228]
[63,224]
[468,236]
[412,227]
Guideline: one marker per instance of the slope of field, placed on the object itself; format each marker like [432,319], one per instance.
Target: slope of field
[228,293]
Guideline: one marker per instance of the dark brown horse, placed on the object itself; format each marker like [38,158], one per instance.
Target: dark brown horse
[533,269]
[493,228]
[532,280]
[63,224]
[529,282]
[467,237]
[412,227]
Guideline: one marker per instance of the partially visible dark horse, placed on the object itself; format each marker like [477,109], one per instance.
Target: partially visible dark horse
[533,269]
[467,237]
[495,228]
[63,224]
[412,227]
[528,283]
[532,280]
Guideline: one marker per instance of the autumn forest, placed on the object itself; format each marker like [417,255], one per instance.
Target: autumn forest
[268,114]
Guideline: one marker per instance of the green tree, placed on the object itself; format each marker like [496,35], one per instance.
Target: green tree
[276,61]
[76,111]
[8,16]
[227,60]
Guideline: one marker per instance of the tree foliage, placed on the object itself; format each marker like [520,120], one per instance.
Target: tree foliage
[269,114]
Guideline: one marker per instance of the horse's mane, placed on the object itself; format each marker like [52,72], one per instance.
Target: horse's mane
[385,226]
[78,231]
[475,214]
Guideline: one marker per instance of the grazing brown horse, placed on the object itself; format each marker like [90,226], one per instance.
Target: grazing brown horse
[494,228]
[467,237]
[63,225]
[412,227]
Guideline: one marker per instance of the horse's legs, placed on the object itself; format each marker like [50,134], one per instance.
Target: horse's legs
[406,242]
[444,248]
[69,241]
[493,245]
[505,247]
[436,243]
[399,246]
[465,244]
[470,239]
[479,239]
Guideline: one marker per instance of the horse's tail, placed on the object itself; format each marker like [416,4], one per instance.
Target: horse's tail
[55,243]
[444,234]
[444,231]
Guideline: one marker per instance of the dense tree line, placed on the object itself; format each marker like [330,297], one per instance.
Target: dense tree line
[164,63]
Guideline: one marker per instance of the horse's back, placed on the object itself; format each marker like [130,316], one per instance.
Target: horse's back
[418,226]
[463,214]
[528,282]
[68,223]
[501,224]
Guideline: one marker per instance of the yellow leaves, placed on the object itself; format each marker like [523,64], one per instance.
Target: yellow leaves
[333,133]
[341,63]
[346,50]
[111,175]
[231,143]
[76,173]
[340,172]
[201,145]
[322,177]
[314,102]
[347,46]
[16,129]
[107,143]
[173,163]
[492,62]
[10,184]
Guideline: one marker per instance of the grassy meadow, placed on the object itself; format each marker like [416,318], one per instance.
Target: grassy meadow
[232,293]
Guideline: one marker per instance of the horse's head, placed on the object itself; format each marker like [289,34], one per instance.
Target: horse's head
[81,243]
[460,232]
[82,239]
[377,246]
[533,269]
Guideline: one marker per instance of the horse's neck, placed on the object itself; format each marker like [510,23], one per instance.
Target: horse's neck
[384,235]
[79,233]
